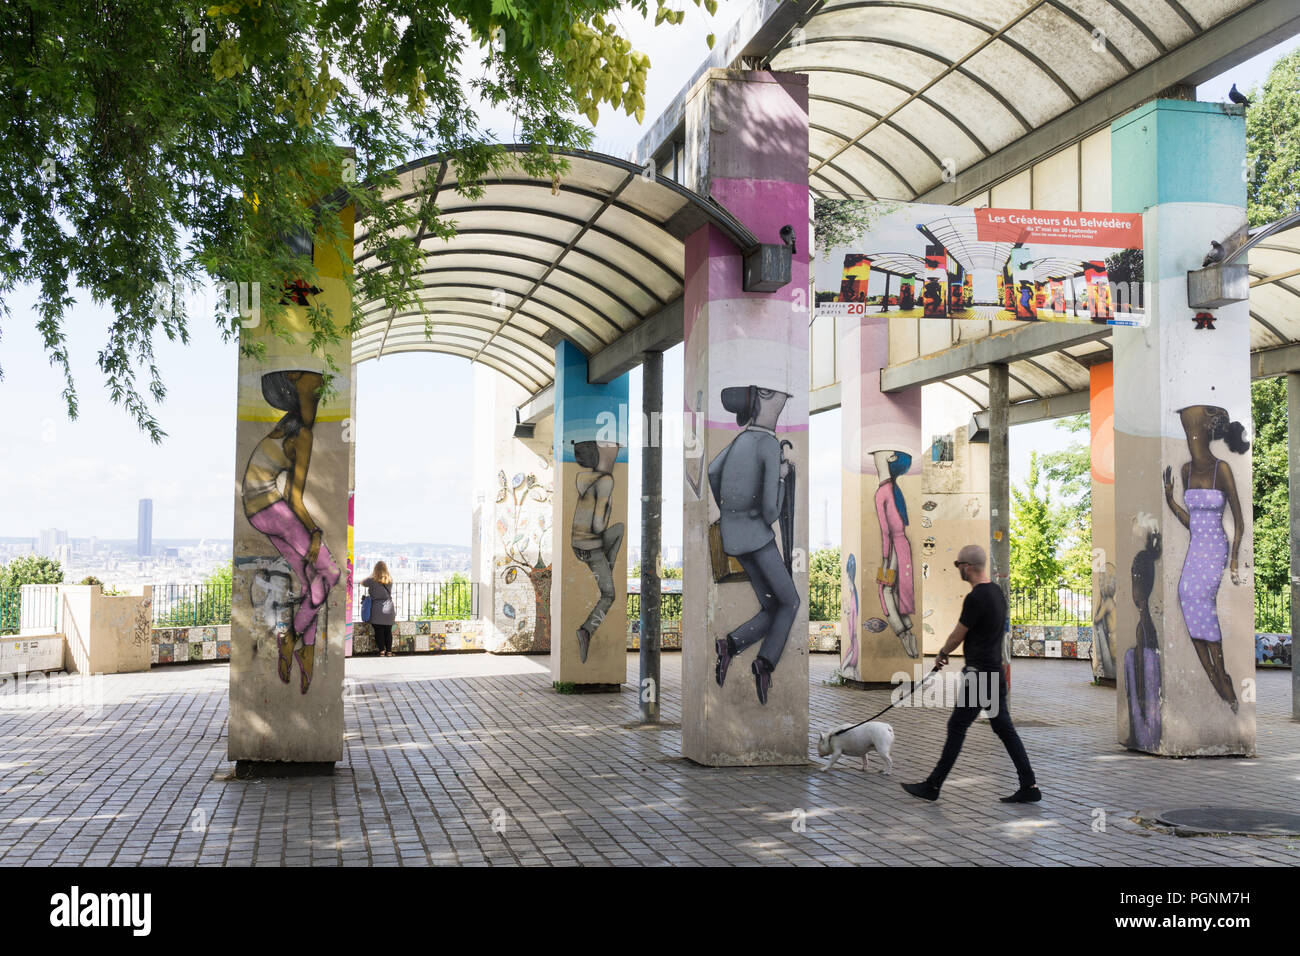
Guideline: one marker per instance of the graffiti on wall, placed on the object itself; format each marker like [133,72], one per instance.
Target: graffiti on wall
[1208,488]
[752,482]
[273,487]
[524,561]
[850,665]
[595,541]
[894,578]
[1142,661]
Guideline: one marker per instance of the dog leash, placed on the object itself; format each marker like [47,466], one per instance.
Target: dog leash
[934,670]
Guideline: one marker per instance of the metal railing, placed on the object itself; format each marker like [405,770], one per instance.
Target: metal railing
[1273,611]
[30,608]
[1051,605]
[190,605]
[425,600]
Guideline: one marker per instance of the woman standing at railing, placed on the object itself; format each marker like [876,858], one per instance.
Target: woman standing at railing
[382,611]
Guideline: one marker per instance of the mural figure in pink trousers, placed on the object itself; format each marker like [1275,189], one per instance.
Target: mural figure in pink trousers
[281,515]
[894,580]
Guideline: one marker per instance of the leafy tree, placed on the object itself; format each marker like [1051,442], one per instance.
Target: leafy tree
[151,145]
[1071,471]
[452,602]
[1269,491]
[841,222]
[1272,146]
[30,569]
[1036,532]
[824,585]
[665,573]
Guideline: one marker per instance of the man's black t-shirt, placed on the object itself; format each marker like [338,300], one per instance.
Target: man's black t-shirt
[984,612]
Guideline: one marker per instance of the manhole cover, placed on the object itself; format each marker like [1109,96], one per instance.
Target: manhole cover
[1234,820]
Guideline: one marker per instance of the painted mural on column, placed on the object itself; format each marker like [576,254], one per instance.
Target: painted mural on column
[982,264]
[288,614]
[752,482]
[595,538]
[523,562]
[1101,426]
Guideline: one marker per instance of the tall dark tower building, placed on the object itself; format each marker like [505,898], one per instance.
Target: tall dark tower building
[144,531]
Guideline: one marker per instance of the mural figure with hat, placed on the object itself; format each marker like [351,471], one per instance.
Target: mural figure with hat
[753,485]
[595,541]
[273,487]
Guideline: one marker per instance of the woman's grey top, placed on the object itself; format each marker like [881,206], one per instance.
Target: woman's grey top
[382,609]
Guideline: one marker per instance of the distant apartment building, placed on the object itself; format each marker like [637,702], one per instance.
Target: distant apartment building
[52,539]
[144,529]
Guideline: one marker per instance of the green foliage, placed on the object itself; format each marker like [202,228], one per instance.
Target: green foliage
[1269,493]
[152,146]
[1272,146]
[841,222]
[452,603]
[665,573]
[30,569]
[1036,531]
[824,585]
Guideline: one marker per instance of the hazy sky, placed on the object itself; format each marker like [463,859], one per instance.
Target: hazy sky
[413,424]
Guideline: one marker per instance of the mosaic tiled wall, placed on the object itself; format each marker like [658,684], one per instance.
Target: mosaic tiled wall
[1046,640]
[417,637]
[190,645]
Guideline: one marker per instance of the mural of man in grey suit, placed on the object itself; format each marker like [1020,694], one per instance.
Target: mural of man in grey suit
[595,541]
[748,480]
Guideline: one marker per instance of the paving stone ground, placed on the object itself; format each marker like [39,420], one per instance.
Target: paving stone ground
[474,760]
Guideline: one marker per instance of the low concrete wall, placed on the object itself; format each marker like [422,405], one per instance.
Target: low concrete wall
[32,652]
[106,634]
[1066,641]
[419,637]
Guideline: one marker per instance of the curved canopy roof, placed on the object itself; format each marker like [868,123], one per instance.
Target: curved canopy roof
[533,262]
[903,93]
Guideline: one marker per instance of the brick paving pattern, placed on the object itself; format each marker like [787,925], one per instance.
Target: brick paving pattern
[473,760]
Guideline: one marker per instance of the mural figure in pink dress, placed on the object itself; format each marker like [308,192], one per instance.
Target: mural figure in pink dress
[1208,487]
[851,660]
[894,580]
[273,487]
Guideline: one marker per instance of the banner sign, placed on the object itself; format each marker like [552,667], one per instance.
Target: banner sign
[909,260]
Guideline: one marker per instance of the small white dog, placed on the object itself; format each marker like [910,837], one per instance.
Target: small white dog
[856,742]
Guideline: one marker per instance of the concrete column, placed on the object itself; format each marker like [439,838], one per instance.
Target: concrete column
[1185,640]
[880,533]
[350,436]
[1293,489]
[746,475]
[288,613]
[589,583]
[652,459]
[1101,420]
[954,512]
[1000,493]
[514,483]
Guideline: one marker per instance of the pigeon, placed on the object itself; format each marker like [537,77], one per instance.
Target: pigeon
[787,236]
[1214,255]
[1237,97]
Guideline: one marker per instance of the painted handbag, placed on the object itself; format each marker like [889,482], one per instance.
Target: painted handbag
[887,576]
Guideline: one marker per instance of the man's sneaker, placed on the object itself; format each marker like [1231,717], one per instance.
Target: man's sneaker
[762,678]
[1024,795]
[723,647]
[925,790]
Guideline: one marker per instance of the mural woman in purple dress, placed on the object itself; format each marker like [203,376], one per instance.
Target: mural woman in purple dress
[894,580]
[281,515]
[1208,487]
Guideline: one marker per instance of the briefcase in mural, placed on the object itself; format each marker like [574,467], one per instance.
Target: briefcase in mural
[725,567]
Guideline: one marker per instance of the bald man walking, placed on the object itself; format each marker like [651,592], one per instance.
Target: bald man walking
[984,686]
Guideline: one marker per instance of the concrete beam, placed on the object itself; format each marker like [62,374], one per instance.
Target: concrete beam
[540,404]
[658,333]
[1023,342]
[1270,363]
[761,26]
[824,399]
[1257,28]
[1040,409]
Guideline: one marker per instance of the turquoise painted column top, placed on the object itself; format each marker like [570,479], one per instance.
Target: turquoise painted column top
[583,411]
[1178,151]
